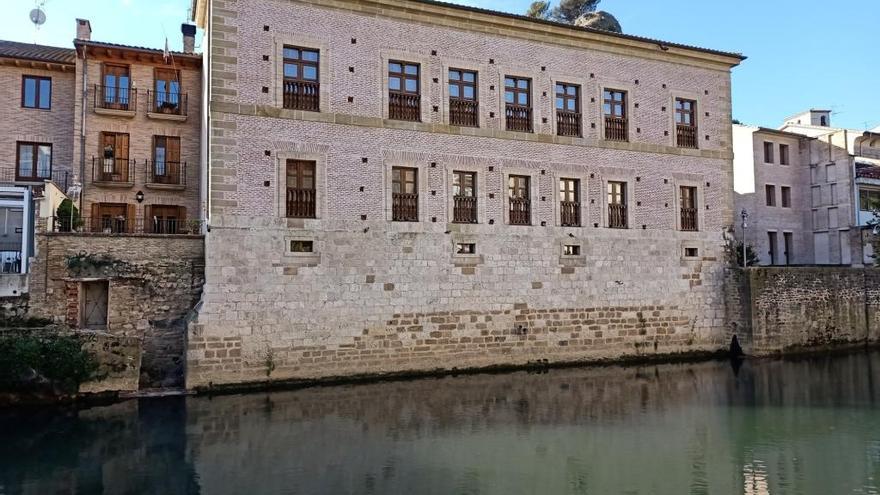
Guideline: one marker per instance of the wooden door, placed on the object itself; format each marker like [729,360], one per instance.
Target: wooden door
[165,219]
[95,298]
[110,218]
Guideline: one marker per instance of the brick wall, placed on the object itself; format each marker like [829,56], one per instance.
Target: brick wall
[378,296]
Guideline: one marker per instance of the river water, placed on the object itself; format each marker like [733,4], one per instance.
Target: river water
[804,426]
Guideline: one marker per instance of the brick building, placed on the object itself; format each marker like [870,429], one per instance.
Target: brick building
[406,185]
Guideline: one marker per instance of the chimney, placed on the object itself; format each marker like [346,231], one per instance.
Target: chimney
[83,29]
[189,37]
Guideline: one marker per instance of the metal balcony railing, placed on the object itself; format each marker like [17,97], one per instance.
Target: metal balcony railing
[166,173]
[112,170]
[520,211]
[464,209]
[617,216]
[570,213]
[405,207]
[404,106]
[519,118]
[167,103]
[686,136]
[464,113]
[115,98]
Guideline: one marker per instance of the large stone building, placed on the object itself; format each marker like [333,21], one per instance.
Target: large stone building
[407,185]
[810,190]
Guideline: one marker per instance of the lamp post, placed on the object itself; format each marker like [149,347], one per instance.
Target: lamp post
[745,216]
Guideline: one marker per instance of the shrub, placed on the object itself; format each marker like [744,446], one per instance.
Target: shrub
[30,362]
[67,216]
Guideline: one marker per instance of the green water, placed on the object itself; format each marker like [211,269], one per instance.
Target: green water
[808,426]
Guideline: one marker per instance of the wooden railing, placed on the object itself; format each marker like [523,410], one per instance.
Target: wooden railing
[404,106]
[301,203]
[616,129]
[112,170]
[302,95]
[115,98]
[405,207]
[520,212]
[617,216]
[464,209]
[519,118]
[464,113]
[570,213]
[568,123]
[689,219]
[686,136]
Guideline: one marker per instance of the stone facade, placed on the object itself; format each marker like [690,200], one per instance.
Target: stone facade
[376,296]
[154,281]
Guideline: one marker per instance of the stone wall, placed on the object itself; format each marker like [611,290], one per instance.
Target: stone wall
[154,282]
[812,308]
[13,308]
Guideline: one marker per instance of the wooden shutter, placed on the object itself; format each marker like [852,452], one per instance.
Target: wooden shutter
[122,146]
[149,225]
[96,218]
[130,218]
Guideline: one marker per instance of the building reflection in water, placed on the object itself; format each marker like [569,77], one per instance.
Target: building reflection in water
[807,426]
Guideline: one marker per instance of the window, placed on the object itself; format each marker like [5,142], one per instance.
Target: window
[163,219]
[166,166]
[830,173]
[302,246]
[786,196]
[465,248]
[768,152]
[404,194]
[301,197]
[112,165]
[816,196]
[464,197]
[789,247]
[771,195]
[167,97]
[688,199]
[869,199]
[614,109]
[834,197]
[686,123]
[823,121]
[617,209]
[568,110]
[833,218]
[571,250]
[302,89]
[518,103]
[771,239]
[519,196]
[569,202]
[34,161]
[783,154]
[691,252]
[404,93]
[36,92]
[463,102]
[116,91]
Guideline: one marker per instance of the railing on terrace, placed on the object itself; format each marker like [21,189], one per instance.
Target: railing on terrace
[301,203]
[113,170]
[10,258]
[686,136]
[405,207]
[404,106]
[166,173]
[689,219]
[302,95]
[616,129]
[124,225]
[570,213]
[520,212]
[115,98]
[464,113]
[464,209]
[617,216]
[11,175]
[519,118]
[167,103]
[568,123]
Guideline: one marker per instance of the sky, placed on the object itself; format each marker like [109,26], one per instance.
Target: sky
[802,53]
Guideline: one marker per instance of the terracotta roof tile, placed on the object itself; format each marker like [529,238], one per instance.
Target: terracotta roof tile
[39,53]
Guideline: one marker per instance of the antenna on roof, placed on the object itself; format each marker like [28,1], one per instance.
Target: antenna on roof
[38,16]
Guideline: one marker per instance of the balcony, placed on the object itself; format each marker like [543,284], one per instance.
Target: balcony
[689,219]
[301,203]
[116,101]
[686,136]
[464,209]
[519,118]
[617,216]
[10,258]
[112,172]
[464,113]
[520,211]
[11,175]
[166,175]
[404,106]
[568,123]
[123,225]
[616,129]
[405,207]
[302,95]
[570,213]
[167,106]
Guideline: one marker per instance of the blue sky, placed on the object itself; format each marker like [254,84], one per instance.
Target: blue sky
[802,53]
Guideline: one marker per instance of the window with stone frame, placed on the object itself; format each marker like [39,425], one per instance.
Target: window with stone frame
[464,106]
[301,195]
[404,194]
[615,113]
[519,198]
[404,91]
[464,197]
[301,85]
[783,154]
[518,103]
[686,123]
[569,202]
[568,109]
[618,214]
[770,193]
[768,152]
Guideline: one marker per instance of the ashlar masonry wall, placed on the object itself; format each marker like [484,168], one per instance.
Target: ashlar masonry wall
[376,296]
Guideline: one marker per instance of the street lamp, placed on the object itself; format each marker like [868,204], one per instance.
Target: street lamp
[745,217]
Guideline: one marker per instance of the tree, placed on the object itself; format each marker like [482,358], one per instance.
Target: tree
[539,10]
[67,216]
[751,255]
[569,11]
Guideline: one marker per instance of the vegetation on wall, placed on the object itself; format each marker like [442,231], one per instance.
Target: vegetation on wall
[31,362]
[581,13]
[90,263]
[751,255]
